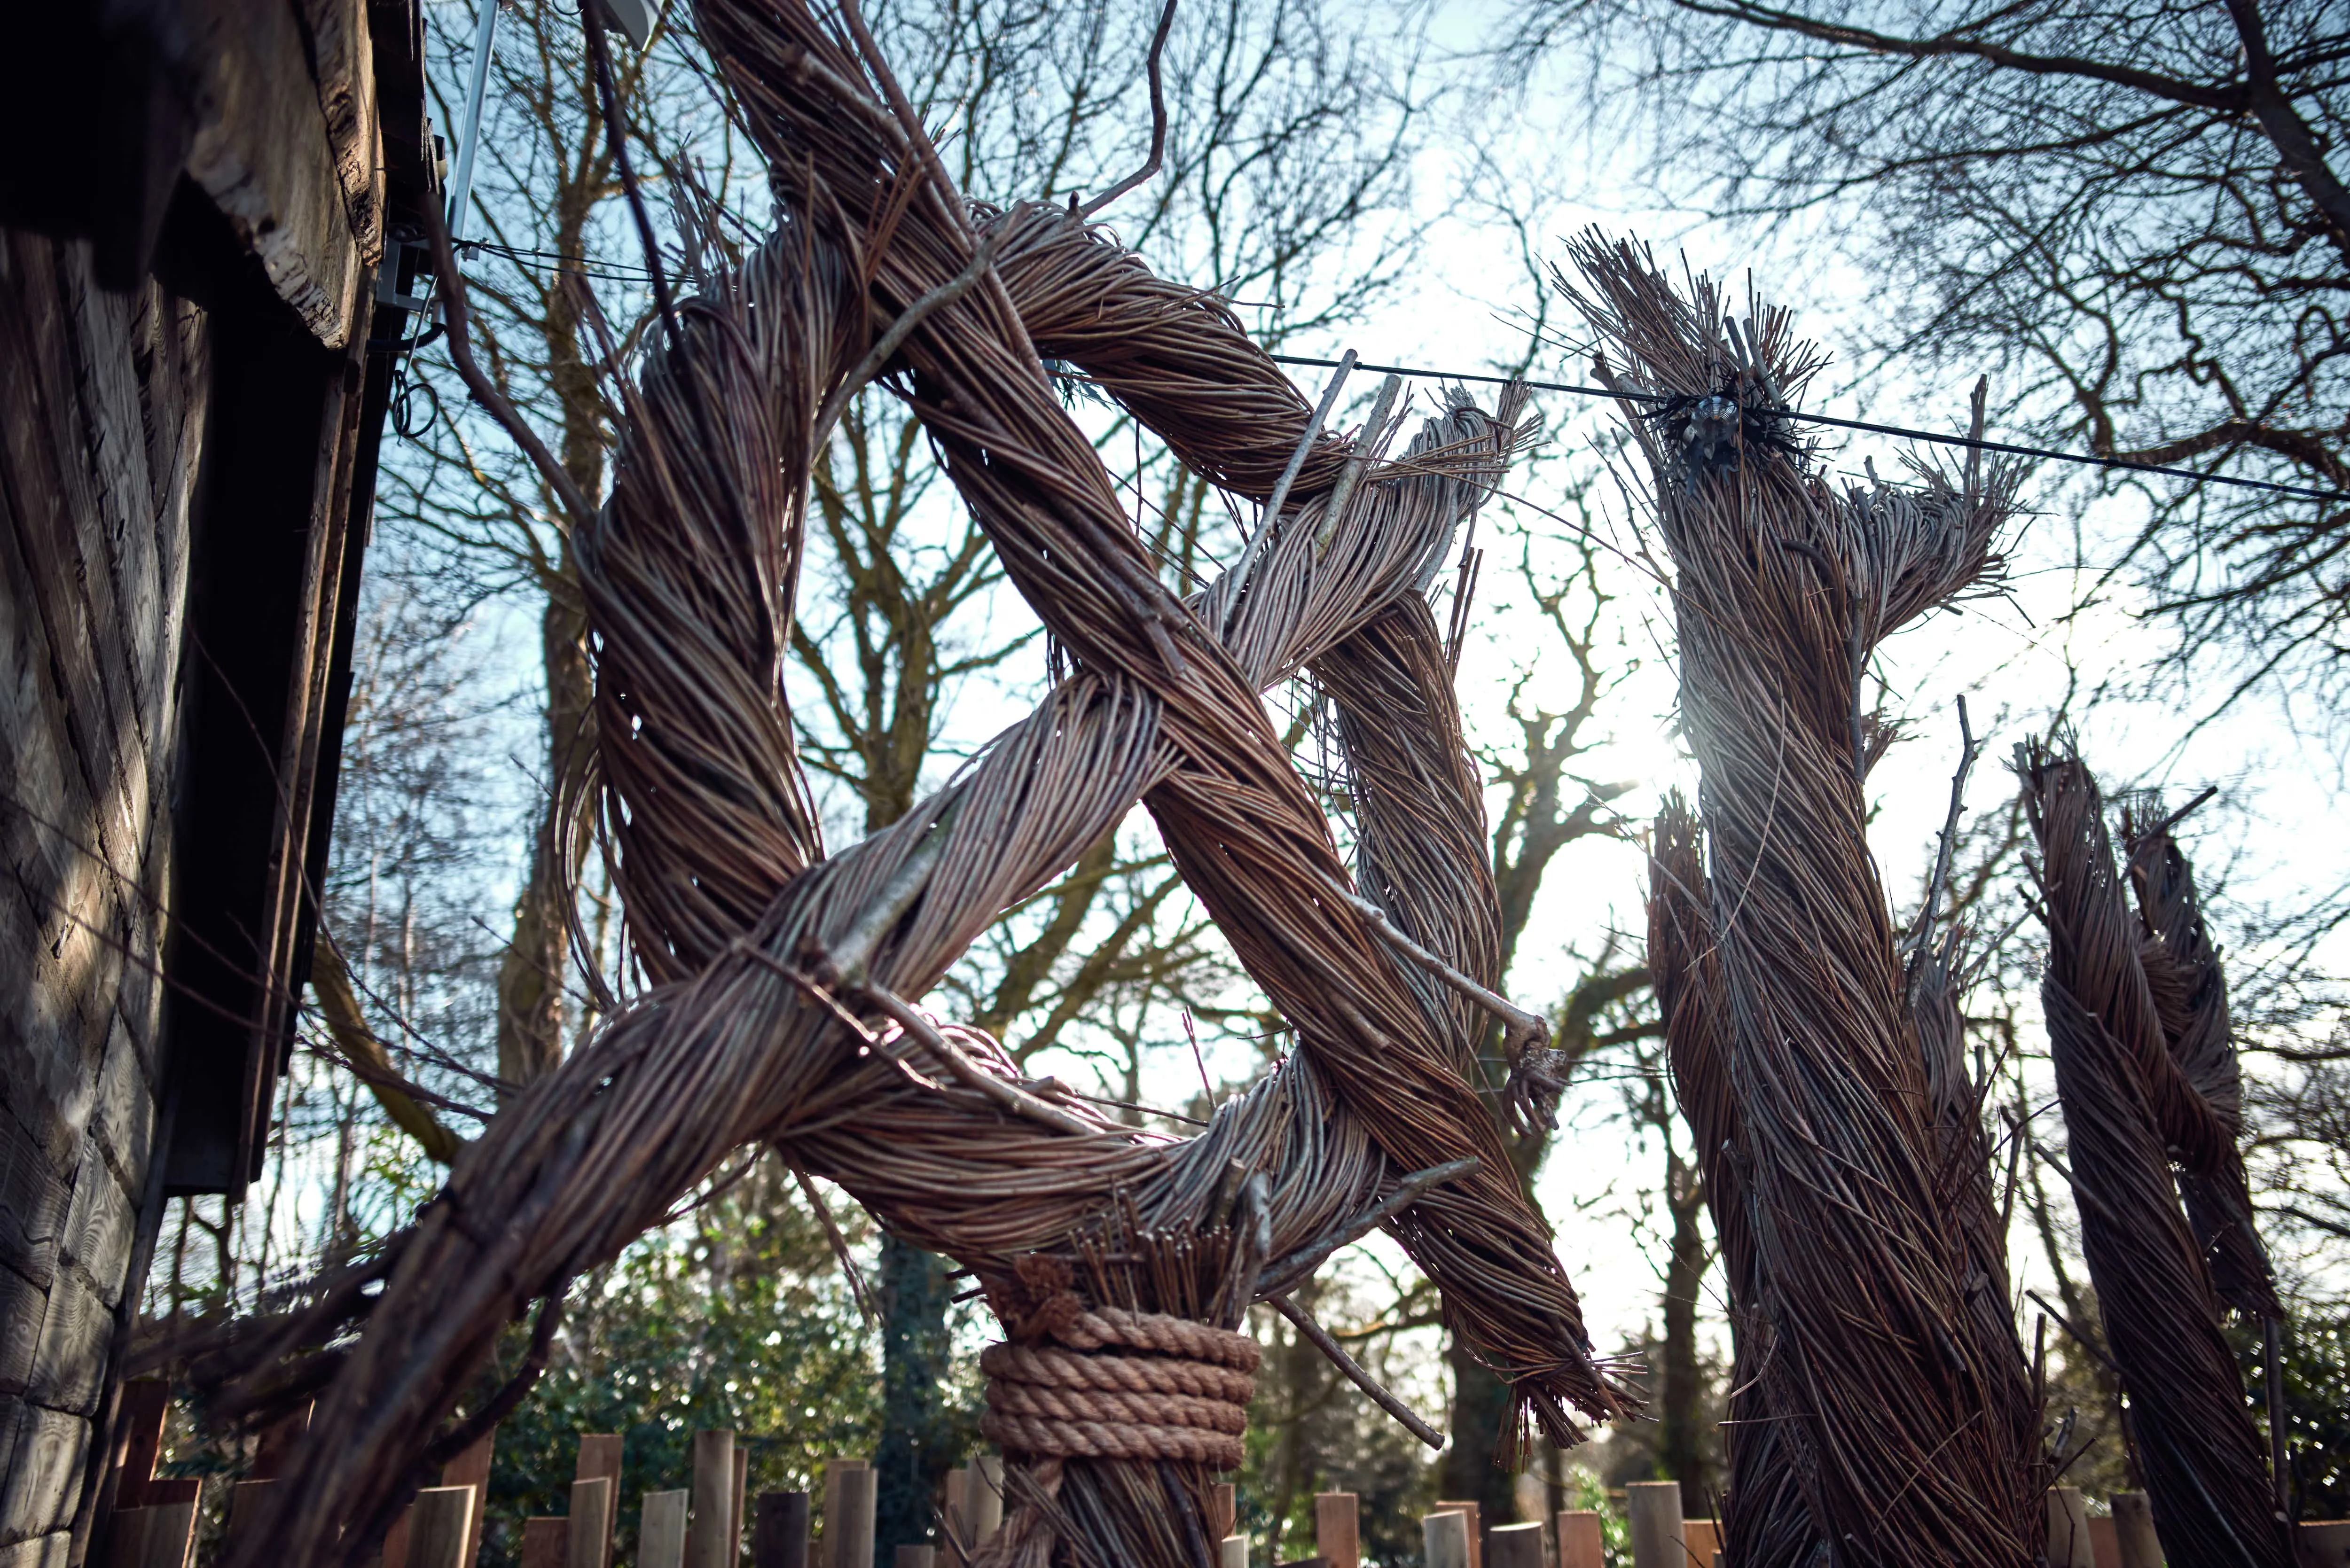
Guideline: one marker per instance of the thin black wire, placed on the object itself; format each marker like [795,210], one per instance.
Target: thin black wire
[1936,436]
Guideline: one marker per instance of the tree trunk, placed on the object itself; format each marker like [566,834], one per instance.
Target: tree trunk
[530,977]
[1480,1404]
[916,1430]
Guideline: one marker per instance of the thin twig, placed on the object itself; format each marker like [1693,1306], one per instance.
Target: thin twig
[1320,1339]
[1157,122]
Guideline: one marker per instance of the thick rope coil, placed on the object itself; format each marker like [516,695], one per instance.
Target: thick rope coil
[1188,1401]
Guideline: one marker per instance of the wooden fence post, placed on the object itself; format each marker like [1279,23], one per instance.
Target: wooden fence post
[600,1459]
[2069,1545]
[472,1469]
[395,1539]
[243,1505]
[545,1542]
[660,1530]
[1337,1529]
[779,1532]
[588,1533]
[849,1501]
[1582,1538]
[1473,1513]
[2134,1531]
[1445,1538]
[1223,1509]
[1655,1507]
[742,1481]
[441,1524]
[1232,1553]
[1700,1542]
[923,1555]
[710,1543]
[984,1498]
[1514,1545]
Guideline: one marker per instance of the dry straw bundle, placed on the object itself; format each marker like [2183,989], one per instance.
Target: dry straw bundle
[2137,1024]
[1873,1330]
[784,1013]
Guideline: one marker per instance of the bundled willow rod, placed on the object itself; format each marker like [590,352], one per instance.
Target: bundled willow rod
[785,1010]
[1911,1425]
[2137,1026]
[1767,1522]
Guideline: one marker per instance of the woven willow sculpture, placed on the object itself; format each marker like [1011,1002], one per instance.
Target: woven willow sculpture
[1120,1262]
[1895,1418]
[2146,1071]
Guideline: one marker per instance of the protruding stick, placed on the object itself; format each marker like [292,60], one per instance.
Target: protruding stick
[1320,1339]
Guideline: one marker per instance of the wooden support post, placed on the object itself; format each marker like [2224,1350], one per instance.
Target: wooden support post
[1232,1553]
[441,1522]
[1475,1513]
[1514,1545]
[1701,1541]
[1582,1538]
[1337,1529]
[661,1529]
[924,1555]
[710,1542]
[849,1502]
[1444,1539]
[1655,1507]
[545,1542]
[779,1530]
[2069,1545]
[472,1469]
[588,1535]
[2104,1541]
[2134,1531]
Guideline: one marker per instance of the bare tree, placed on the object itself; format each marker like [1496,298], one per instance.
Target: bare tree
[1545,807]
[2132,208]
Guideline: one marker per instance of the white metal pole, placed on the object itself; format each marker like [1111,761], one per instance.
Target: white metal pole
[486,32]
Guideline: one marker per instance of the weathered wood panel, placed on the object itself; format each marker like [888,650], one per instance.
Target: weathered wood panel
[102,400]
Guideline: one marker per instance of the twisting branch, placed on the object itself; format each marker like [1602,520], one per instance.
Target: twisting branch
[1157,122]
[616,135]
[455,314]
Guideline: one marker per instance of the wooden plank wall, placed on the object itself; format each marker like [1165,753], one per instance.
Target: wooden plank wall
[102,410]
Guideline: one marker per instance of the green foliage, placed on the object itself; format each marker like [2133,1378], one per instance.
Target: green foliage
[734,1317]
[2316,1366]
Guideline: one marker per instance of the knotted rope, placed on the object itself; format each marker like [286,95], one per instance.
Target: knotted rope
[1185,1396]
